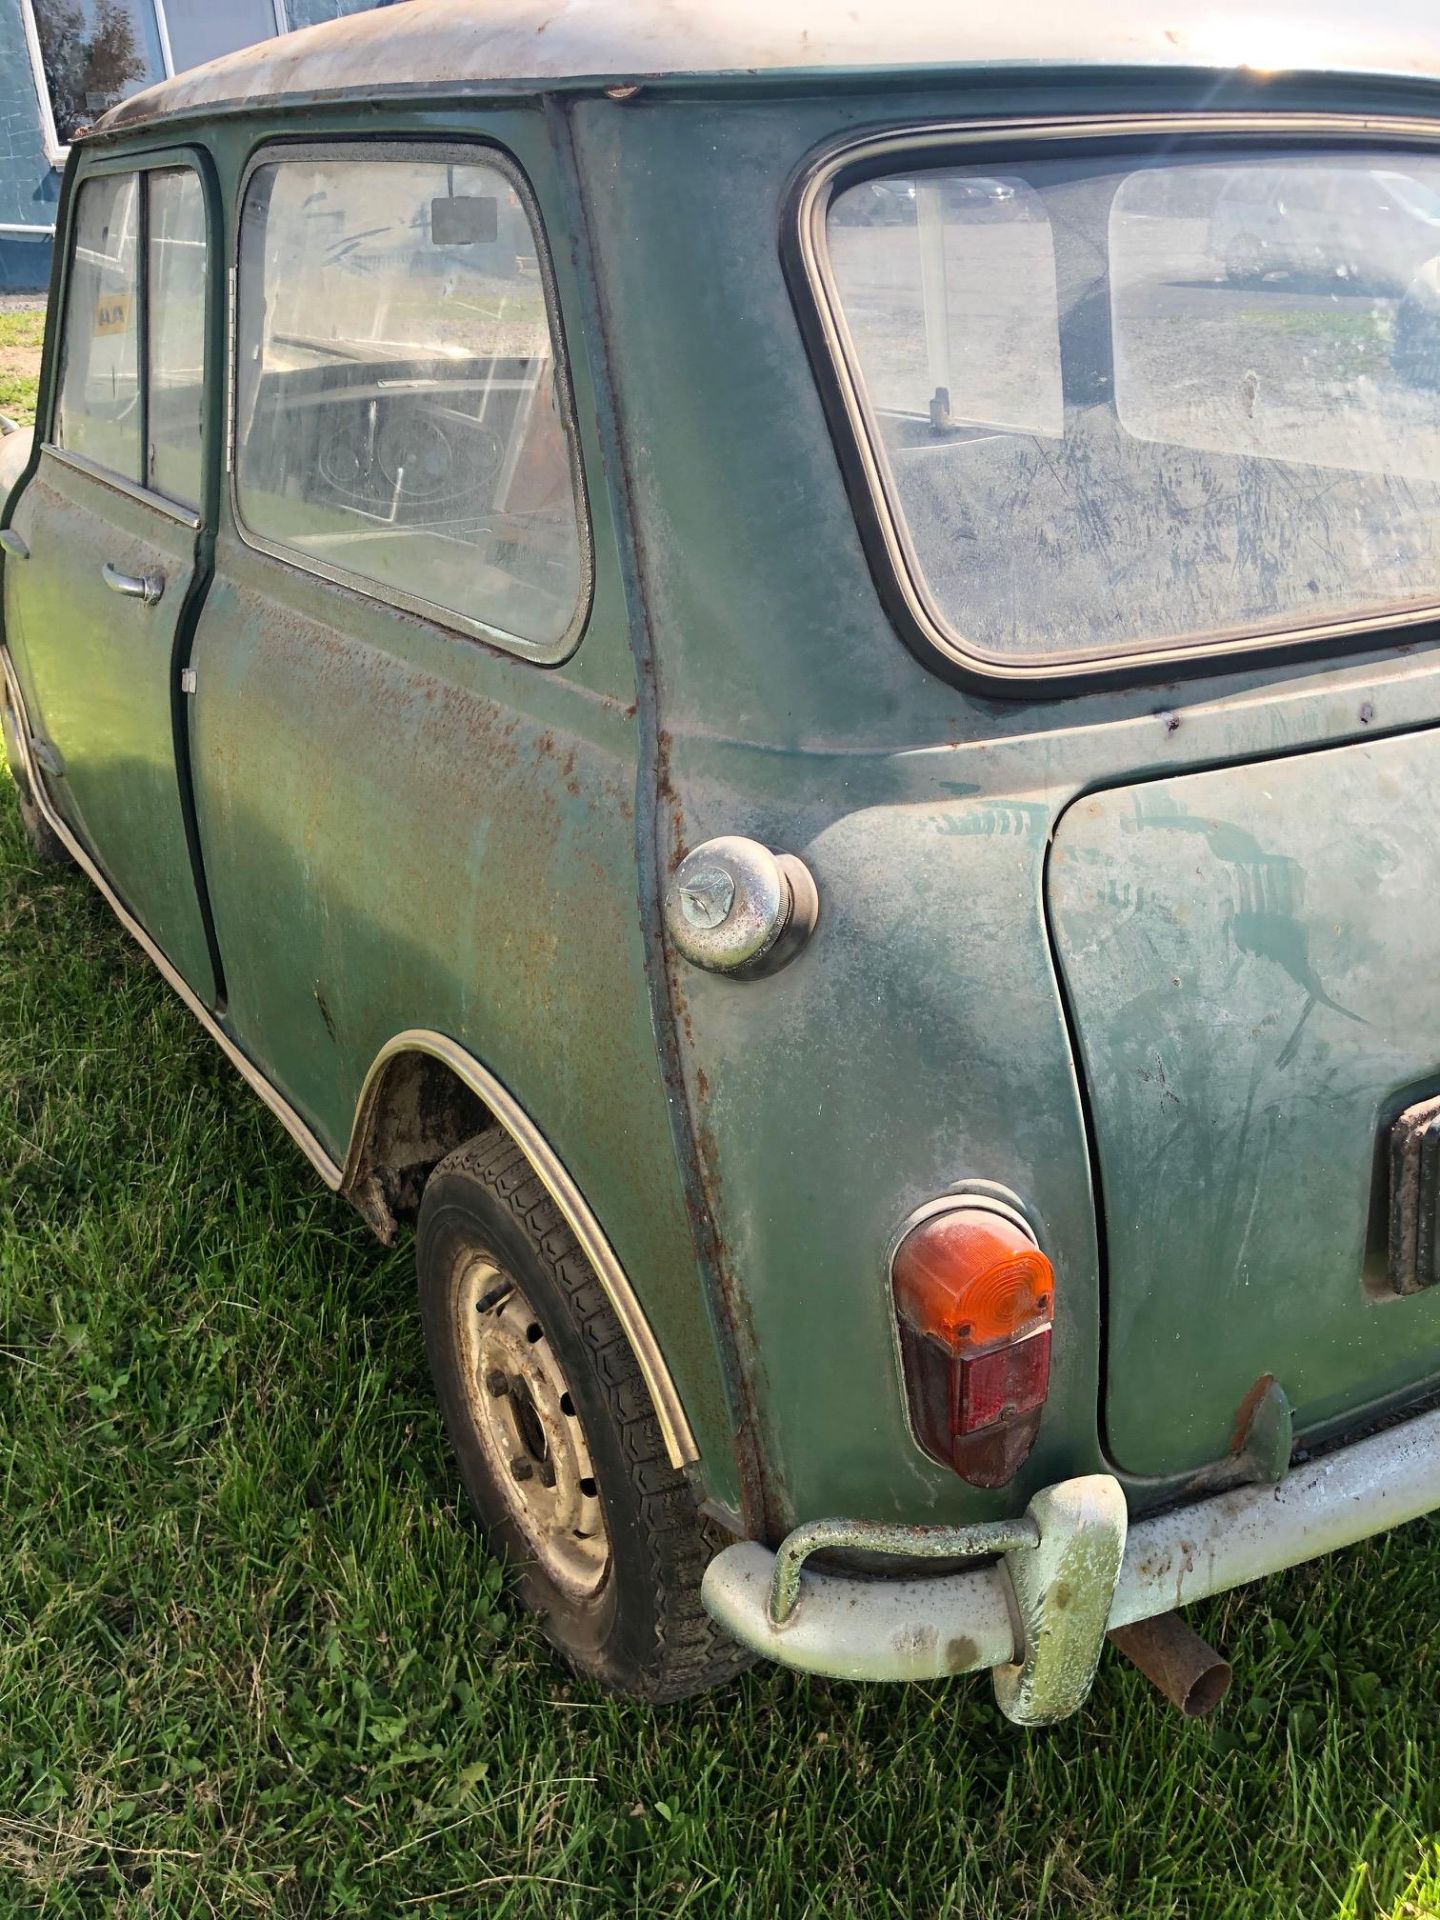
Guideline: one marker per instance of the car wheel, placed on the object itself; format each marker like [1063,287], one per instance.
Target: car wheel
[1415,352]
[555,1434]
[46,845]
[1245,260]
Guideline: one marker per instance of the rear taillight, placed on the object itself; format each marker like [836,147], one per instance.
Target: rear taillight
[974,1299]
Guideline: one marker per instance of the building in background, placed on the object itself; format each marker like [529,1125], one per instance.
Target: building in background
[63,62]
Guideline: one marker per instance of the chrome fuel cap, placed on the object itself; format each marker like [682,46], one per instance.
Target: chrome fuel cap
[733,906]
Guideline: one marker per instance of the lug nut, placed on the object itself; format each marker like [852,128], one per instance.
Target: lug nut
[521,1468]
[497,1383]
[547,1474]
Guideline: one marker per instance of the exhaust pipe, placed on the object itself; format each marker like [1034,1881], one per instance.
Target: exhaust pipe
[1188,1673]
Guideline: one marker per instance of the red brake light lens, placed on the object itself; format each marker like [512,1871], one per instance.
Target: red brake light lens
[974,1298]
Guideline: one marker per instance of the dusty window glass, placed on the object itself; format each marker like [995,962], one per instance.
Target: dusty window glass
[94,53]
[400,419]
[1123,408]
[98,411]
[176,292]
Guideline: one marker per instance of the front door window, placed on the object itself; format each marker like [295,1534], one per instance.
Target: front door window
[98,412]
[146,431]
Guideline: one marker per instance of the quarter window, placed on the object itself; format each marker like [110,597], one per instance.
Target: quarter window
[401,420]
[151,431]
[1120,408]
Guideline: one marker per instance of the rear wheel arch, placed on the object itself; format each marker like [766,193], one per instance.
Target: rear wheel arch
[424,1096]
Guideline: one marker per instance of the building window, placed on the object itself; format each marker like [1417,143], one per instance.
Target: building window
[88,54]
[199,30]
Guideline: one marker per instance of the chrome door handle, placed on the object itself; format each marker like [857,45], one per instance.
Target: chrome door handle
[136,586]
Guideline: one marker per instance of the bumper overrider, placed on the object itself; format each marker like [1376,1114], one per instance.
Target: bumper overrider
[1054,1581]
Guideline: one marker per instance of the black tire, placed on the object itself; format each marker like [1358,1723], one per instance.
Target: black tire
[642,1633]
[1415,354]
[1245,263]
[45,844]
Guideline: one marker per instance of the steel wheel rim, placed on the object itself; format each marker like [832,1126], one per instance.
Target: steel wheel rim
[529,1429]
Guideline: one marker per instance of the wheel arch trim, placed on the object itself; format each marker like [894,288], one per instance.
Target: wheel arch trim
[507,1113]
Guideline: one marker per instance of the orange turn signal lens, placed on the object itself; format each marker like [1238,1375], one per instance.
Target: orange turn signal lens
[974,1299]
[971,1278]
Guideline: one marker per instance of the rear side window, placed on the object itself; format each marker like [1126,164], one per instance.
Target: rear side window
[98,412]
[401,410]
[1118,408]
[138,272]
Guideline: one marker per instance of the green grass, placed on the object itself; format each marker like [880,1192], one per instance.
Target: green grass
[253,1659]
[21,337]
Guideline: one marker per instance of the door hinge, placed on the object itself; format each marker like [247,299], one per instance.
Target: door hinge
[187,679]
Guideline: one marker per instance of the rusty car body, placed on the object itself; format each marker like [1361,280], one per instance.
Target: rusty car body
[882,691]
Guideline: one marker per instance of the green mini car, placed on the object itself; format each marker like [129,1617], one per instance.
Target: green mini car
[772,671]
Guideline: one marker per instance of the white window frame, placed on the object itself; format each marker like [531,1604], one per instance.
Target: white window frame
[57,151]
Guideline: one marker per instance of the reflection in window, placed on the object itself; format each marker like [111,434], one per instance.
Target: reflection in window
[1208,404]
[948,284]
[1286,281]
[98,413]
[94,53]
[399,415]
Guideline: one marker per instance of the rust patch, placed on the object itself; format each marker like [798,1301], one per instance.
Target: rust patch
[762,1489]
[961,1654]
[1246,1412]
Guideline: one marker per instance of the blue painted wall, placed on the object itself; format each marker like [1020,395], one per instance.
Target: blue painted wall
[29,185]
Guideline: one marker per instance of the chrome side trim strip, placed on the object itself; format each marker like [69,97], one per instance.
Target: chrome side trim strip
[306,1141]
[902,561]
[669,1410]
[92,470]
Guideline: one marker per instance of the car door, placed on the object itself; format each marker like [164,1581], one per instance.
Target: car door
[415,785]
[104,567]
[412,814]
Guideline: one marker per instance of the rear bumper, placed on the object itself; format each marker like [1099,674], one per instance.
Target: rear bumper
[1037,1615]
